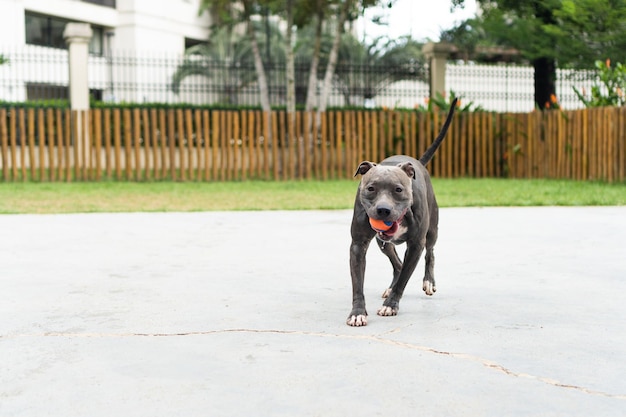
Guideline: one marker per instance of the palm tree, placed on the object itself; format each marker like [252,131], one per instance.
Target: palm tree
[344,9]
[228,60]
[233,58]
[363,71]
[230,13]
[225,59]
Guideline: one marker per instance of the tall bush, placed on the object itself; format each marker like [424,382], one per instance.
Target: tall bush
[610,90]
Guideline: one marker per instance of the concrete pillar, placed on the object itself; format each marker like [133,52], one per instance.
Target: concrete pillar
[437,54]
[77,37]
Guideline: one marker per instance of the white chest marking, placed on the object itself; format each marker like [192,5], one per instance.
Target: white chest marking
[402,229]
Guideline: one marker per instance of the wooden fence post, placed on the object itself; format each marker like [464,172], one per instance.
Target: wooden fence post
[3,139]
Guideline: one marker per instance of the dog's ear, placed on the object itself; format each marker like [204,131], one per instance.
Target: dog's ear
[364,167]
[408,168]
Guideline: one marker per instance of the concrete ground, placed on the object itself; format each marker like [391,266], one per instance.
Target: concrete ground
[243,314]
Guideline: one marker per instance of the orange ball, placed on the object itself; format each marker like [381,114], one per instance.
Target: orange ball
[380,225]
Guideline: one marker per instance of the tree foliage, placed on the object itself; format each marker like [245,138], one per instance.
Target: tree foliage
[587,31]
[549,33]
[576,33]
[320,39]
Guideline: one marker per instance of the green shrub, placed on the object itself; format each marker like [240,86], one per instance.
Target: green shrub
[610,90]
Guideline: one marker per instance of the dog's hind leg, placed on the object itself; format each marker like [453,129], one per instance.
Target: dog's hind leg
[429,259]
[429,277]
[389,249]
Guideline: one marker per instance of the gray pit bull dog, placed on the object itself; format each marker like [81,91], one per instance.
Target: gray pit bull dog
[398,192]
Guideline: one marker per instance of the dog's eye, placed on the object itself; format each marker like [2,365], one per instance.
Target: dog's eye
[371,189]
[399,189]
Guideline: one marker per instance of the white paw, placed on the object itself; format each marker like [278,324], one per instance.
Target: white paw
[357,321]
[387,311]
[386,293]
[429,288]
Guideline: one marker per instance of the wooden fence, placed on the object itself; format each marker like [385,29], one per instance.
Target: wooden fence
[208,145]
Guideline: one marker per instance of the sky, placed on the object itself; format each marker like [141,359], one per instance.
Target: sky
[422,19]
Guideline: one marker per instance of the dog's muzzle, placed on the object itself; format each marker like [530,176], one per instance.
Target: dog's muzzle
[387,235]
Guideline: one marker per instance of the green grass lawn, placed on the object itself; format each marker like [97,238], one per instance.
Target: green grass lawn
[290,195]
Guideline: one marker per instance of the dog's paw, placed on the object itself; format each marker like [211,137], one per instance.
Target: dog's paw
[387,311]
[357,321]
[429,287]
[386,293]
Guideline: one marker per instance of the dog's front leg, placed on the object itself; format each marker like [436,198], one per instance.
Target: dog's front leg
[392,302]
[358,315]
[389,249]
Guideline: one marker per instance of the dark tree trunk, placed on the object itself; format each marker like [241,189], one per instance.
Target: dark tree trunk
[545,67]
[545,86]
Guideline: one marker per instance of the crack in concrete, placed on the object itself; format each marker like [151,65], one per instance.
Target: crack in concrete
[375,338]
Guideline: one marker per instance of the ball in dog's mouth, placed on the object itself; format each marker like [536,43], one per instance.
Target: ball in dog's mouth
[380,225]
[384,228]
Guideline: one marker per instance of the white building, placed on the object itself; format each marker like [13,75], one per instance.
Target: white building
[139,25]
[34,28]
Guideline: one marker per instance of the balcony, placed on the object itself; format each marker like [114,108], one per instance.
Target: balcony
[105,3]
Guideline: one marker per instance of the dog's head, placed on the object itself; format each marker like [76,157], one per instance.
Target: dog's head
[386,191]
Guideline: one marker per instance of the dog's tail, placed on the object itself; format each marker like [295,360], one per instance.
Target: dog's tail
[428,155]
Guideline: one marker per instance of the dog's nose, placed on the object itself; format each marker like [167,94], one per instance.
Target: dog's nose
[383,212]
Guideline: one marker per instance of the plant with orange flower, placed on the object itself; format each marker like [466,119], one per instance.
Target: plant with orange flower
[553,103]
[610,89]
[442,103]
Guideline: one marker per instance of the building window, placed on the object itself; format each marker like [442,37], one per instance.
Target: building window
[43,91]
[192,42]
[48,31]
[44,31]
[105,3]
[96,45]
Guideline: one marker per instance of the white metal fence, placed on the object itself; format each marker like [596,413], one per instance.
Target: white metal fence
[34,72]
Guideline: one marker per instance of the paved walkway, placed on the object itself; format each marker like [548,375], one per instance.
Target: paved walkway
[242,314]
